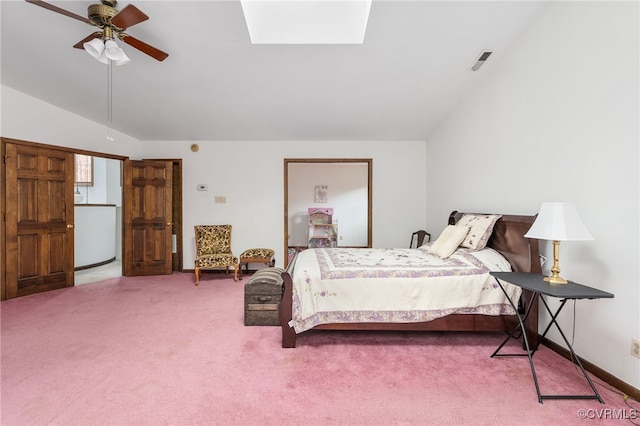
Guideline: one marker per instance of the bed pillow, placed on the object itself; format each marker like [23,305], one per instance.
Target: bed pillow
[480,229]
[448,241]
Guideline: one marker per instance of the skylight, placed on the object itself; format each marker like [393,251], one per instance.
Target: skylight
[306,21]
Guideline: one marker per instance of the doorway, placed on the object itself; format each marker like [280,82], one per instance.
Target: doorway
[97,219]
[346,188]
[52,268]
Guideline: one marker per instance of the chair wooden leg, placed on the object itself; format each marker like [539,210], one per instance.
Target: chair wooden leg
[235,274]
[197,275]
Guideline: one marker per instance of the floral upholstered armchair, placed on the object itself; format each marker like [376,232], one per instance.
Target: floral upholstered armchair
[213,249]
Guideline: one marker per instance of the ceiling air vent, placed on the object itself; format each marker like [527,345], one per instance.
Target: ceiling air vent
[481,60]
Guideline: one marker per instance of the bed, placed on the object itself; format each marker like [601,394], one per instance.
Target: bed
[313,298]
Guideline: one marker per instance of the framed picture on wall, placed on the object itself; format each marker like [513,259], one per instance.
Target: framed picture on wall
[321,194]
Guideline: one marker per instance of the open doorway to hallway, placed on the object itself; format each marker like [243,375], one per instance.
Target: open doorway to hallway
[99,273]
[98,219]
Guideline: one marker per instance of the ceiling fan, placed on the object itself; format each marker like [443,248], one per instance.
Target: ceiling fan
[112,24]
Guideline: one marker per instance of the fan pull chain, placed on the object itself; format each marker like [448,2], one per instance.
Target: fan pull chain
[110,101]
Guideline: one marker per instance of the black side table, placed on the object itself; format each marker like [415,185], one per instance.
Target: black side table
[536,284]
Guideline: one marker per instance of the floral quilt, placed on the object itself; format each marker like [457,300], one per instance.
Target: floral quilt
[342,285]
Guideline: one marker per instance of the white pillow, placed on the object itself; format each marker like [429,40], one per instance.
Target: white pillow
[448,241]
[480,229]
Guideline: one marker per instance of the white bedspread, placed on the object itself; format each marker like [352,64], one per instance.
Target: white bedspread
[341,285]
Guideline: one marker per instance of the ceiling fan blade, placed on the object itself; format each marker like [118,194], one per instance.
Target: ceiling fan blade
[144,47]
[80,44]
[60,10]
[127,17]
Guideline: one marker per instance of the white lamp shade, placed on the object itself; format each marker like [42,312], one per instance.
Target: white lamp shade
[112,50]
[558,222]
[94,47]
[103,58]
[123,60]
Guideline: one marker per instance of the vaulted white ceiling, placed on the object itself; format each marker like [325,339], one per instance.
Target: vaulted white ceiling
[412,69]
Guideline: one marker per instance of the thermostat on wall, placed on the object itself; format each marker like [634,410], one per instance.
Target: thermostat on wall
[202,187]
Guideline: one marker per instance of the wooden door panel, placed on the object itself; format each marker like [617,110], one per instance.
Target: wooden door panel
[27,161]
[137,203]
[54,249]
[149,243]
[147,218]
[56,165]
[27,188]
[27,266]
[159,202]
[39,230]
[56,208]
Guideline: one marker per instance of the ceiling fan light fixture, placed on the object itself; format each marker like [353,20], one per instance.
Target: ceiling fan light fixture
[103,58]
[112,50]
[123,60]
[95,47]
[112,22]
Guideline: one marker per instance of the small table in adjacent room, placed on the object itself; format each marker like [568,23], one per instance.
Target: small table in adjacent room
[570,291]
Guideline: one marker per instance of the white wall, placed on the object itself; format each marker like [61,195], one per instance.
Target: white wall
[113,177]
[556,119]
[27,118]
[106,188]
[95,235]
[251,176]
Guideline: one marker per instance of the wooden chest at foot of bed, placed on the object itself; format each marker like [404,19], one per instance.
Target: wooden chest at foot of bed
[262,296]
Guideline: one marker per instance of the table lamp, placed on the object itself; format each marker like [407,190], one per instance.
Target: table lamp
[558,222]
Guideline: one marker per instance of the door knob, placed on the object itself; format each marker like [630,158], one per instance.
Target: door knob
[169,223]
[70,226]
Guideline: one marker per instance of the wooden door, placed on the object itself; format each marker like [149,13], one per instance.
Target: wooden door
[176,212]
[147,218]
[39,220]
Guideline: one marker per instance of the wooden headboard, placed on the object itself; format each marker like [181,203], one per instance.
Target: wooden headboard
[508,239]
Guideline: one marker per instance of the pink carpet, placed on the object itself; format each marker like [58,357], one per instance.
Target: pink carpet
[158,350]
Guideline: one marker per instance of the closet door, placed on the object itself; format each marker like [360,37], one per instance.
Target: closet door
[147,218]
[39,252]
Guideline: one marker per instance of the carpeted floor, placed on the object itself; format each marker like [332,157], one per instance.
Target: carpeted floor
[158,350]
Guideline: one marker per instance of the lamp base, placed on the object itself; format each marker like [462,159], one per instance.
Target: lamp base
[555,279]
